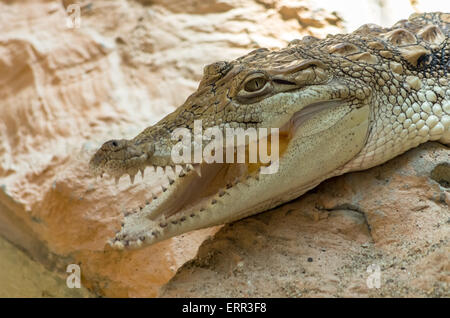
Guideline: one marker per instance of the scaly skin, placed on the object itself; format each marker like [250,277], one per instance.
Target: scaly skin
[345,103]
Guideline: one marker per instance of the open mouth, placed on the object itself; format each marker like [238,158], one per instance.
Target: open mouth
[209,180]
[194,189]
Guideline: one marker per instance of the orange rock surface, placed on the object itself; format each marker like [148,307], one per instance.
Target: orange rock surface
[66,89]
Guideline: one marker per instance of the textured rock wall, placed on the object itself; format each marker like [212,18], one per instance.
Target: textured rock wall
[66,90]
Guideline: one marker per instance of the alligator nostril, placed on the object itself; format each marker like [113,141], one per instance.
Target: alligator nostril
[111,145]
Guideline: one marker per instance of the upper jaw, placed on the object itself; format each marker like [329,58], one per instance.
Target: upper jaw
[117,157]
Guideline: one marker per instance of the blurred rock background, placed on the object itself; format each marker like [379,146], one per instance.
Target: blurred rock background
[65,88]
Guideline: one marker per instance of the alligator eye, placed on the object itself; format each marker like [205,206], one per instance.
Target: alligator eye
[255,84]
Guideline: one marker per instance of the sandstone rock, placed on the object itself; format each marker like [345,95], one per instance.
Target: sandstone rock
[66,90]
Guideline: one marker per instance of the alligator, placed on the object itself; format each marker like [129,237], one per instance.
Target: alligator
[344,103]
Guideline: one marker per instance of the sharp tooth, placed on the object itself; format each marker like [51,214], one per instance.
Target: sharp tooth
[189,167]
[118,245]
[169,169]
[164,189]
[159,170]
[154,196]
[178,169]
[116,180]
[132,178]
[198,170]
[142,172]
[152,169]
[181,174]
[171,181]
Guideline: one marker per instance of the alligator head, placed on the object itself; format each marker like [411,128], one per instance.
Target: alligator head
[316,99]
